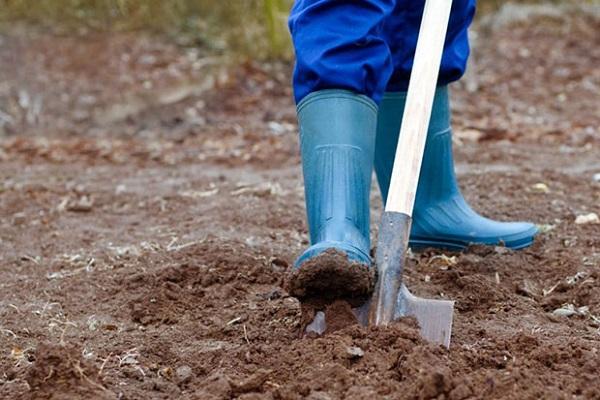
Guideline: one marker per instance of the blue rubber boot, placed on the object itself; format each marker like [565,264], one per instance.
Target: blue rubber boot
[441,217]
[337,142]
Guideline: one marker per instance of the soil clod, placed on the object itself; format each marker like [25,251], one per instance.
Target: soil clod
[331,275]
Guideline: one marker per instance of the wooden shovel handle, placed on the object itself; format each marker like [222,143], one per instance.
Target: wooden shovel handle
[419,102]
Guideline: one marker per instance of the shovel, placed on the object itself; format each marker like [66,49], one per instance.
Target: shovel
[392,299]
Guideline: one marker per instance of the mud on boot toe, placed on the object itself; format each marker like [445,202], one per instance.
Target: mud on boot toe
[331,274]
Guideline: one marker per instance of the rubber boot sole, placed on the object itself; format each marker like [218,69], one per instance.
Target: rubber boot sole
[519,243]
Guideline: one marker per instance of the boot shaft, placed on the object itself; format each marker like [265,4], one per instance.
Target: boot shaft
[337,143]
[437,170]
[441,216]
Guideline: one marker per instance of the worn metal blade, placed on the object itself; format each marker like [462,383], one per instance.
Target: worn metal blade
[434,316]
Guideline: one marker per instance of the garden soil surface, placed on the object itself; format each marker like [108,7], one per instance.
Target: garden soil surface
[151,205]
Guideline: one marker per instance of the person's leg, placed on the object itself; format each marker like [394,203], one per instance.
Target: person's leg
[441,217]
[402,29]
[339,45]
[342,67]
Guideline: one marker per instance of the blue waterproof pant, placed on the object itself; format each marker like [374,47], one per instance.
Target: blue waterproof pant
[368,46]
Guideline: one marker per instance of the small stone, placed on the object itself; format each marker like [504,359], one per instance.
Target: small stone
[540,188]
[19,218]
[545,228]
[568,310]
[120,189]
[183,374]
[354,352]
[571,280]
[596,177]
[84,204]
[318,324]
[501,250]
[469,135]
[591,218]
[563,312]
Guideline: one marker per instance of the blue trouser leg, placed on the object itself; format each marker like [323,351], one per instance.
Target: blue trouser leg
[366,46]
[401,30]
[340,45]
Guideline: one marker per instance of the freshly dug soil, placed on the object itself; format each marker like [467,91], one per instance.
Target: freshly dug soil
[60,372]
[145,258]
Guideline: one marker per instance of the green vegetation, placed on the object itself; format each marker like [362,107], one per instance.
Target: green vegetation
[248,27]
[255,28]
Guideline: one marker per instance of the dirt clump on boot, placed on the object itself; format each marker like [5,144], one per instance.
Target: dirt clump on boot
[331,275]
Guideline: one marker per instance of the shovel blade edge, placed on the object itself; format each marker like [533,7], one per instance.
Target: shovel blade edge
[434,316]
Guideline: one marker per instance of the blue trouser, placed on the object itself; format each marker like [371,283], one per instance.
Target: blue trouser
[367,46]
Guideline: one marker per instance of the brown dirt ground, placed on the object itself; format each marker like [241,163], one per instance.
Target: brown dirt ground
[143,256]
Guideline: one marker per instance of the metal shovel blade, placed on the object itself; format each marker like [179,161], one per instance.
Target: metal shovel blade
[434,316]
[391,298]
